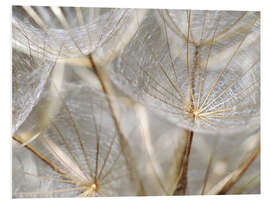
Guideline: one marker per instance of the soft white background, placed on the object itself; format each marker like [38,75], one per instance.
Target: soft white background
[5,89]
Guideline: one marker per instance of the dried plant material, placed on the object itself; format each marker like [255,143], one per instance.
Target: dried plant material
[249,186]
[201,75]
[160,171]
[126,102]
[82,148]
[204,77]
[144,153]
[223,186]
[82,137]
[79,30]
[214,158]
[29,76]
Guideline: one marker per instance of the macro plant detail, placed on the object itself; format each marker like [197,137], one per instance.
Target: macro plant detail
[127,102]
[84,164]
[196,77]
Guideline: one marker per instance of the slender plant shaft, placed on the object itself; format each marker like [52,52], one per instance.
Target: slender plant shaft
[182,181]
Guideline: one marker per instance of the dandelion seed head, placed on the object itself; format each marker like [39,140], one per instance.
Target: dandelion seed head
[195,73]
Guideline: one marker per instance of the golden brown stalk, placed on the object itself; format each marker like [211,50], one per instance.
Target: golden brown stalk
[111,100]
[40,156]
[225,184]
[182,181]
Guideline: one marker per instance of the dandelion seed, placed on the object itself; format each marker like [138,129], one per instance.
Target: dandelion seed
[197,75]
[84,156]
[193,68]
[184,71]
[79,30]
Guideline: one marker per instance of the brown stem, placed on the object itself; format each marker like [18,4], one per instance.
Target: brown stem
[238,173]
[110,97]
[40,156]
[182,181]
